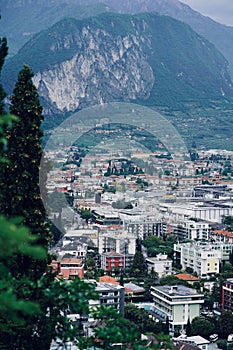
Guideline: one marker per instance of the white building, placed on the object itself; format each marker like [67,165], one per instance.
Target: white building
[90,234]
[189,229]
[75,249]
[203,258]
[117,240]
[143,228]
[160,264]
[110,295]
[212,212]
[195,340]
[178,303]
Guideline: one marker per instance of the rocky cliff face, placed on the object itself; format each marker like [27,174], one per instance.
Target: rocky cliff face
[145,58]
[103,69]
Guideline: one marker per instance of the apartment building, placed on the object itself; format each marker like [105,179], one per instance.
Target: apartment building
[105,218]
[189,229]
[178,303]
[160,264]
[114,238]
[111,295]
[203,259]
[111,260]
[221,236]
[143,228]
[227,295]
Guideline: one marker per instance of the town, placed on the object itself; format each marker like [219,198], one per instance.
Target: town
[150,233]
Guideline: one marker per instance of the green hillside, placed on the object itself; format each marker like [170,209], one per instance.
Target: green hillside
[186,66]
[19,22]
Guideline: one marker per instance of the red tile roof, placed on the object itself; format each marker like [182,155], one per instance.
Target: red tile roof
[114,254]
[223,233]
[187,277]
[72,261]
[108,279]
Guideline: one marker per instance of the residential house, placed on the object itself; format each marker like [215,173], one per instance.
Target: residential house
[71,268]
[187,278]
[195,340]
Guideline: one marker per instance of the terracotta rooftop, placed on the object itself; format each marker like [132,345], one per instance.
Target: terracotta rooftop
[187,277]
[72,261]
[114,254]
[108,279]
[223,233]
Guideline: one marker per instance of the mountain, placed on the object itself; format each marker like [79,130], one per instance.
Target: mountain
[220,35]
[23,18]
[144,58]
[20,20]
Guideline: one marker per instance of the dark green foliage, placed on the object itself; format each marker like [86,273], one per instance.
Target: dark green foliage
[4,119]
[69,198]
[227,268]
[172,280]
[188,328]
[55,298]
[56,228]
[216,294]
[20,182]
[113,328]
[202,327]
[121,280]
[56,201]
[14,239]
[142,183]
[3,54]
[155,245]
[121,204]
[225,324]
[228,222]
[189,270]
[231,257]
[166,326]
[150,280]
[92,265]
[222,344]
[86,214]
[141,319]
[139,267]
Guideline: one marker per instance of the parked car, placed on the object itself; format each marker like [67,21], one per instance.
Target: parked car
[213,337]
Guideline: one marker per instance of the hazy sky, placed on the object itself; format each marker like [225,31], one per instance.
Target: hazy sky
[219,10]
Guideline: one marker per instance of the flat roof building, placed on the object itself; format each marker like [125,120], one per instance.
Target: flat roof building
[178,303]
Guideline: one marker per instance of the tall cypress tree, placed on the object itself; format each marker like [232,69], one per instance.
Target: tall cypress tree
[21,191]
[3,54]
[188,328]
